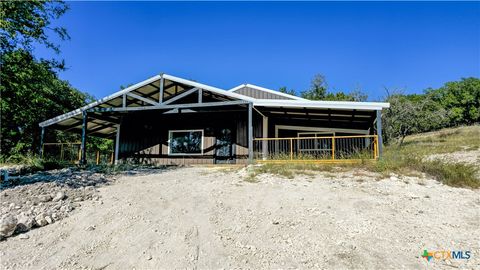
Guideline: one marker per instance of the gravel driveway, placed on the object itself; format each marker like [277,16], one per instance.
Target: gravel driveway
[211,218]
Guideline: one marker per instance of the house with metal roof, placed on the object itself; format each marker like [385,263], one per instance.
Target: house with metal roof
[170,120]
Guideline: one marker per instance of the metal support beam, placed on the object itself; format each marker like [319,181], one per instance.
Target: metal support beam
[83,146]
[117,144]
[250,133]
[173,106]
[146,100]
[160,97]
[180,96]
[265,135]
[42,134]
[379,133]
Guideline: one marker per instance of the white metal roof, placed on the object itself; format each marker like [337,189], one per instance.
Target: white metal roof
[138,85]
[207,87]
[295,102]
[348,105]
[266,90]
[98,102]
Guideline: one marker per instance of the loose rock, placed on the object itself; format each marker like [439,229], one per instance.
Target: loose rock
[8,224]
[59,196]
[44,198]
[49,219]
[40,220]
[25,223]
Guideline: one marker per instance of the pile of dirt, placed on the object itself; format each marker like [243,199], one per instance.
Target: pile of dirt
[40,199]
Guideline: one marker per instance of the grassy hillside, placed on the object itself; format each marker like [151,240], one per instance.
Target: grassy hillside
[419,151]
[444,141]
[414,157]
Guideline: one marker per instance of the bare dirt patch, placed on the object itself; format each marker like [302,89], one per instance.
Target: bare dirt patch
[209,218]
[467,157]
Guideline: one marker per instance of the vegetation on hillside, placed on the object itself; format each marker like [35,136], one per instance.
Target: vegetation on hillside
[30,88]
[455,103]
[414,155]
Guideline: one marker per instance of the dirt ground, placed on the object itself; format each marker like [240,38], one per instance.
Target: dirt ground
[212,218]
[468,157]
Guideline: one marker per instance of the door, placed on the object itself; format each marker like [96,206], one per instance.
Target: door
[224,153]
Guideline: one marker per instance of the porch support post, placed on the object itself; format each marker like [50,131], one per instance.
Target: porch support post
[117,144]
[42,134]
[379,133]
[250,133]
[83,146]
[200,95]
[265,135]
[160,97]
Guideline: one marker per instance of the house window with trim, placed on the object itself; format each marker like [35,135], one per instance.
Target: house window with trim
[185,142]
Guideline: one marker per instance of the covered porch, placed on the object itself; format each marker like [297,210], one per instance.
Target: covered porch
[318,135]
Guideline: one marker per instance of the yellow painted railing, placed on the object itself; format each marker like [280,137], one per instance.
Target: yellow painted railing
[336,149]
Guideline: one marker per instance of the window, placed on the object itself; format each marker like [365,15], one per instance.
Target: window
[315,134]
[185,142]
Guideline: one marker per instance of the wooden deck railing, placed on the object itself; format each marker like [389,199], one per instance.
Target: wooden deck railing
[70,153]
[316,149]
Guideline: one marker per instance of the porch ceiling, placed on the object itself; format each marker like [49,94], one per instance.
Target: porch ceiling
[355,119]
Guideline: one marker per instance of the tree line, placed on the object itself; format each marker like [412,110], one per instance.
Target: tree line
[31,90]
[455,103]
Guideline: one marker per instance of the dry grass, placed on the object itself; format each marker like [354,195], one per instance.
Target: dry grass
[288,170]
[444,141]
[407,160]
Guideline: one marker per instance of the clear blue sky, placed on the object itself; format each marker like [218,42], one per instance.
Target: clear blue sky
[272,44]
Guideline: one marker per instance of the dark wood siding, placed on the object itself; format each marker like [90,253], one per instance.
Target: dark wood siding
[144,136]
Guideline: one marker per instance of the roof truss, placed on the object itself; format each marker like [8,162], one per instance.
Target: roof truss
[158,92]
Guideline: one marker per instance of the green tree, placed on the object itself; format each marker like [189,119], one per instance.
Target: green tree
[31,93]
[318,88]
[356,95]
[284,90]
[319,91]
[461,99]
[30,88]
[23,23]
[409,114]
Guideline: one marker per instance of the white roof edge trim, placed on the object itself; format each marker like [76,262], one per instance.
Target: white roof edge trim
[98,102]
[349,105]
[266,90]
[138,85]
[208,88]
